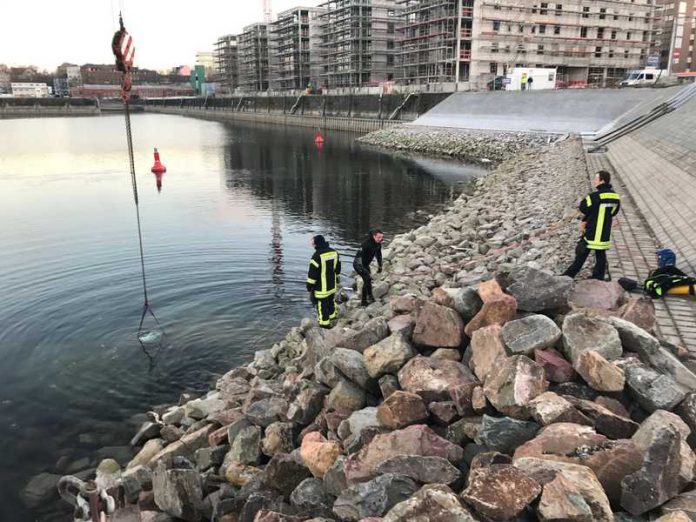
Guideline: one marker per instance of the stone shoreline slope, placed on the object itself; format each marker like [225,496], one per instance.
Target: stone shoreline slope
[478,387]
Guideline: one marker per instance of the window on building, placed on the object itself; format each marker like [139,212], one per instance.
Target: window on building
[493,67]
[645,36]
[390,44]
[598,52]
[600,33]
[520,28]
[613,34]
[628,35]
[496,7]
[540,49]
[496,25]
[534,29]
[544,8]
[630,17]
[625,53]
[390,59]
[556,29]
[391,13]
[586,12]
[542,29]
[583,32]
[611,53]
[602,13]
[494,47]
[616,15]
[559,9]
[390,28]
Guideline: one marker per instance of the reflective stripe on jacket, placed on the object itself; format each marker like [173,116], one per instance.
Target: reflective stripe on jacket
[599,209]
[324,269]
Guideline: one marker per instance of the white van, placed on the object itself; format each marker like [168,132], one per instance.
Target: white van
[639,77]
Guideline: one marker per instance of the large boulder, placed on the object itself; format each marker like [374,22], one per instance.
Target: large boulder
[648,431]
[500,492]
[534,332]
[598,373]
[556,367]
[432,378]
[651,352]
[658,480]
[346,396]
[536,291]
[600,295]
[284,473]
[41,489]
[504,434]
[358,421]
[311,498]
[550,408]
[246,446]
[267,411]
[466,301]
[562,500]
[432,503]
[371,333]
[641,312]
[318,454]
[373,498]
[178,492]
[388,355]
[426,470]
[401,409]
[652,390]
[581,477]
[350,364]
[438,326]
[184,447]
[279,438]
[496,311]
[582,333]
[308,403]
[513,383]
[487,350]
[414,440]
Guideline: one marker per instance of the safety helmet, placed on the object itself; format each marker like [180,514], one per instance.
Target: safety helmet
[665,257]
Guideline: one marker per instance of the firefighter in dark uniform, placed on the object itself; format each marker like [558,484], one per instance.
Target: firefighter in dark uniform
[598,210]
[370,249]
[323,280]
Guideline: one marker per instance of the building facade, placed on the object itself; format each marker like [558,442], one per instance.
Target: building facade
[591,43]
[295,59]
[358,43]
[434,43]
[254,58]
[226,68]
[30,90]
[675,29]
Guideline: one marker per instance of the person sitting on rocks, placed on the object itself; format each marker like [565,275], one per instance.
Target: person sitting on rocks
[598,210]
[322,280]
[370,249]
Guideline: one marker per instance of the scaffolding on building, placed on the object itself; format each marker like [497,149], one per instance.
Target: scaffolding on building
[358,42]
[253,54]
[225,55]
[435,41]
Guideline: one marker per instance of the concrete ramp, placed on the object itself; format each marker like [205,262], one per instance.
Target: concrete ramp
[562,111]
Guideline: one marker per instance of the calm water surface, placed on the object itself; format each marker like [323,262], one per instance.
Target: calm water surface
[226,244]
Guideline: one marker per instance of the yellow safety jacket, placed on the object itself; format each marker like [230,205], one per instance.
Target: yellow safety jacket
[323,275]
[599,209]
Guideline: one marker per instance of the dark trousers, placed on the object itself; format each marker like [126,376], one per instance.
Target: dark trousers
[367,284]
[581,253]
[326,310]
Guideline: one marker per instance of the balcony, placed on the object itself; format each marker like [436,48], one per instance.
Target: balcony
[465,55]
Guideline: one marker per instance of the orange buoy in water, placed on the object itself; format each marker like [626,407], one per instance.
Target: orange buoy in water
[318,138]
[158,168]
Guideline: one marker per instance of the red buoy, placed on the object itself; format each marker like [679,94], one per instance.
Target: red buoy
[318,138]
[158,168]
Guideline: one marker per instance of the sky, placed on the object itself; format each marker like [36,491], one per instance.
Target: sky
[167,33]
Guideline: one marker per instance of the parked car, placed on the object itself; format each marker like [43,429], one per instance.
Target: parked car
[496,84]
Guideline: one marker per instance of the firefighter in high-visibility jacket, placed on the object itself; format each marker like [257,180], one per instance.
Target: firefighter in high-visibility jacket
[598,209]
[323,280]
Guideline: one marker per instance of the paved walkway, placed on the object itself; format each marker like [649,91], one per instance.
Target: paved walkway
[635,240]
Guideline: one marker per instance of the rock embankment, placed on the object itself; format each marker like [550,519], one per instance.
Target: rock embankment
[472,146]
[478,387]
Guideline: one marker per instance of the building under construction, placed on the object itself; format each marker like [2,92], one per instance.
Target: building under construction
[295,58]
[358,42]
[590,43]
[434,43]
[253,55]
[226,69]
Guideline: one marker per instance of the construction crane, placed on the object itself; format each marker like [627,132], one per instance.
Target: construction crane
[267,17]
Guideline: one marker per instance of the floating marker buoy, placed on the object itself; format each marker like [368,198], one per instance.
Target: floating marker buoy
[158,168]
[318,138]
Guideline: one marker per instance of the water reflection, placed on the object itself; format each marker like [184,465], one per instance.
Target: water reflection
[226,249]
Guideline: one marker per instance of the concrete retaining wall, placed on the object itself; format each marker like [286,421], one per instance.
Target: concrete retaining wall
[361,125]
[47,107]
